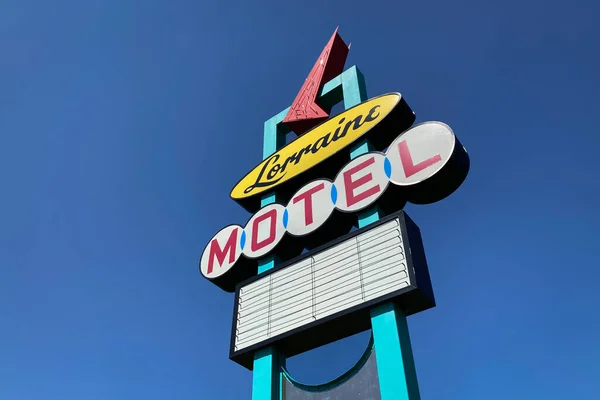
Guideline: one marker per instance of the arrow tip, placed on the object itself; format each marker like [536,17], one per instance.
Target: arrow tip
[304,112]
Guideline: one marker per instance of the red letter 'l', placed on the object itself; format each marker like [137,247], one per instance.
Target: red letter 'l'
[407,162]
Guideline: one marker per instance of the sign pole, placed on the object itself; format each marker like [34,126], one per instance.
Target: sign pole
[395,362]
[267,375]
[350,87]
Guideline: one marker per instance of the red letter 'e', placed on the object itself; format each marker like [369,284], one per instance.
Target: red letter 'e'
[350,185]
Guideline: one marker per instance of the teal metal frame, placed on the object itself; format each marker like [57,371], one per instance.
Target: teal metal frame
[395,363]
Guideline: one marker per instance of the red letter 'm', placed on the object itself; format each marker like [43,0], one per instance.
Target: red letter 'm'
[219,253]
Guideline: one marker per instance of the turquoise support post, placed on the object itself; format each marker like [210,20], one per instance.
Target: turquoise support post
[274,136]
[355,92]
[267,373]
[267,377]
[395,363]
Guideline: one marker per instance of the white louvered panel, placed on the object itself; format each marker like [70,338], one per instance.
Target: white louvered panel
[253,295]
[333,261]
[300,314]
[253,317]
[251,305]
[250,339]
[386,242]
[255,288]
[252,333]
[332,264]
[253,313]
[376,233]
[379,280]
[253,302]
[342,301]
[388,287]
[293,278]
[291,274]
[384,261]
[291,301]
[387,262]
[360,269]
[337,279]
[282,300]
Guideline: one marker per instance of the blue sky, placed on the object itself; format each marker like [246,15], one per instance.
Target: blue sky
[124,125]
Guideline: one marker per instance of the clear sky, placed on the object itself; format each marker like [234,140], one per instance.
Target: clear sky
[124,125]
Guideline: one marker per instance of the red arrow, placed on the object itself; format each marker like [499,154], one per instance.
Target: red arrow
[305,113]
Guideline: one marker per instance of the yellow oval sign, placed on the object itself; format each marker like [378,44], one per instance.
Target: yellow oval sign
[315,146]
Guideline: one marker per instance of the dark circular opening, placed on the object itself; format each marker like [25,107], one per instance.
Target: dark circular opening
[328,362]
